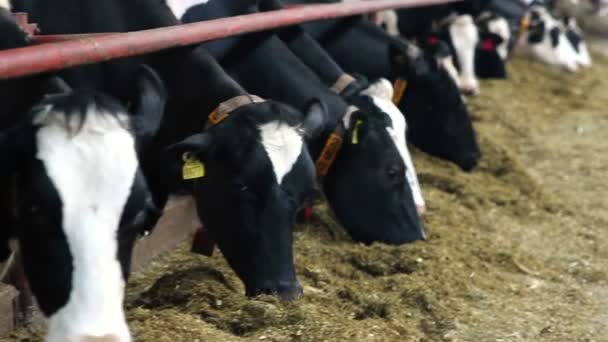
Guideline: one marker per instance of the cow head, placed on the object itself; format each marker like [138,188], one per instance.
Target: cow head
[492,50]
[382,95]
[464,37]
[542,38]
[438,119]
[366,185]
[257,173]
[80,201]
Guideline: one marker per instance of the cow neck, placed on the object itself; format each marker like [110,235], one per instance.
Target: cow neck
[223,110]
[333,145]
[524,25]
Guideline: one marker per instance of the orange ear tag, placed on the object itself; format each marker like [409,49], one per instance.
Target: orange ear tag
[328,155]
[398,90]
[216,117]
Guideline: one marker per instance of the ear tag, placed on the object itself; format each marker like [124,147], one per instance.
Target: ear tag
[399,87]
[355,134]
[193,168]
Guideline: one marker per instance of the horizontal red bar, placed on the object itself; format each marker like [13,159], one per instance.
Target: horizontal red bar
[93,49]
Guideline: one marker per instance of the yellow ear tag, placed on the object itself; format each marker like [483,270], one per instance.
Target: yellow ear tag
[355,140]
[193,168]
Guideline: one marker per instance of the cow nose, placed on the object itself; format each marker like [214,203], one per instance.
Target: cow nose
[571,67]
[420,209]
[470,162]
[469,90]
[285,290]
[104,338]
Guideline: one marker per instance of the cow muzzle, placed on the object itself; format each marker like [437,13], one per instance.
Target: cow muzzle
[104,338]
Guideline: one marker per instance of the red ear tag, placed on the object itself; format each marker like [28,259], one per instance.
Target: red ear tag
[202,243]
[433,40]
[488,45]
[307,214]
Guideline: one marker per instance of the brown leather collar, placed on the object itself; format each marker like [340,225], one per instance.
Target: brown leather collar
[342,83]
[333,145]
[222,111]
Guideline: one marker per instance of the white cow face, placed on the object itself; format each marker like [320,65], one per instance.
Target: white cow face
[81,201]
[546,42]
[465,37]
[381,93]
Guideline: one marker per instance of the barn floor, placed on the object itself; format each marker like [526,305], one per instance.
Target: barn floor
[517,249]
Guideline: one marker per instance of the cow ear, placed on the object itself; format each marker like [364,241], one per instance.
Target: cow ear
[56,85]
[150,103]
[493,37]
[315,119]
[197,145]
[184,160]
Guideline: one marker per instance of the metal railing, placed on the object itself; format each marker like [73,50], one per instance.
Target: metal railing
[72,50]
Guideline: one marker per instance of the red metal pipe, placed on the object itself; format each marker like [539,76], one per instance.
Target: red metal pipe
[56,38]
[79,51]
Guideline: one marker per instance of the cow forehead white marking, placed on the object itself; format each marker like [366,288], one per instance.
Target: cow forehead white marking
[93,171]
[179,7]
[465,37]
[283,145]
[398,133]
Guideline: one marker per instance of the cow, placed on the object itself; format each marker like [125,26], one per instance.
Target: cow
[476,36]
[312,54]
[242,157]
[438,119]
[77,198]
[541,37]
[492,51]
[363,174]
[258,170]
[538,34]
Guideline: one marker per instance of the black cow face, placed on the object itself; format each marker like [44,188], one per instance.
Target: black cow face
[366,186]
[80,201]
[488,62]
[492,50]
[441,126]
[257,173]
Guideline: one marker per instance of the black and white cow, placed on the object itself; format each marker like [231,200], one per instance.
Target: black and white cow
[258,169]
[78,199]
[437,117]
[365,184]
[477,38]
[249,171]
[539,35]
[381,92]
